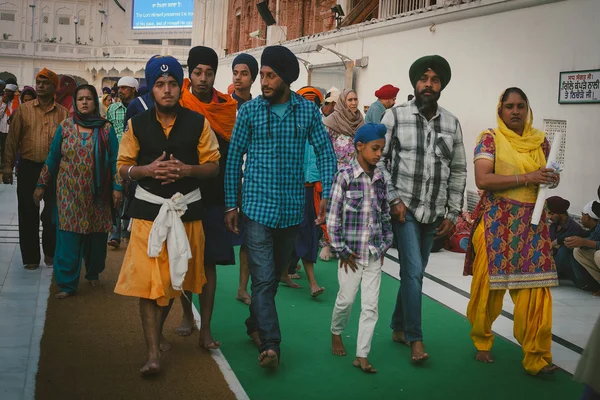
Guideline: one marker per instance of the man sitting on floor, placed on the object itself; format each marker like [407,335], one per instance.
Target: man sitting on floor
[587,250]
[562,226]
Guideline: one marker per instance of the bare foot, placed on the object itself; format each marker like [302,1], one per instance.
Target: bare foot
[165,345]
[337,346]
[152,367]
[94,282]
[399,337]
[255,338]
[114,243]
[298,267]
[597,294]
[549,369]
[49,261]
[268,359]
[316,290]
[244,297]
[484,356]
[363,364]
[207,340]
[286,279]
[187,326]
[31,267]
[294,276]
[418,354]
[62,295]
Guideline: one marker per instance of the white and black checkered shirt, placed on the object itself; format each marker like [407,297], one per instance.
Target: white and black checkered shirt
[424,162]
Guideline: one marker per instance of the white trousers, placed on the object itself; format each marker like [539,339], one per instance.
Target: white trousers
[369,279]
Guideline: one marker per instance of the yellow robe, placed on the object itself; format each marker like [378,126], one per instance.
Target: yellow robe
[149,278]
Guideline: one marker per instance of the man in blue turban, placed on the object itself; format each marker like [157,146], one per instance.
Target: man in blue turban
[169,161]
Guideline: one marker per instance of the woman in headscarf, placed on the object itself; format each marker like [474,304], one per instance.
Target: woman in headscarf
[64,92]
[104,104]
[28,94]
[342,125]
[505,250]
[82,159]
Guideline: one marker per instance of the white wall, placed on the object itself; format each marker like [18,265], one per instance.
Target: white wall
[525,48]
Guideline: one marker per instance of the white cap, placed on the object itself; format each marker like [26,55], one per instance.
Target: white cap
[587,209]
[332,95]
[12,87]
[129,81]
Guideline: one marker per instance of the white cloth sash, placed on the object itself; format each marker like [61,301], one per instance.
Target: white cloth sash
[167,226]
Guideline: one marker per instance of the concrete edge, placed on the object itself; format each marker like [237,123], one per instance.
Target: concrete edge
[230,377]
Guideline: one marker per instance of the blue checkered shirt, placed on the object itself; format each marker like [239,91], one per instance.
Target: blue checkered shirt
[273,191]
[358,215]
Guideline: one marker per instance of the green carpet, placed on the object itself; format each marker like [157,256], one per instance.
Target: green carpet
[308,370]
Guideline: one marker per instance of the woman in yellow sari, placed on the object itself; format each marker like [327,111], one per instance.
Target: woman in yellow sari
[505,250]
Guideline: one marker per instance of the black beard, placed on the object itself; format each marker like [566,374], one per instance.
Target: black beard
[426,103]
[166,110]
[276,96]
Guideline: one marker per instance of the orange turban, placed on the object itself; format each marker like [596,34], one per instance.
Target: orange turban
[51,75]
[312,94]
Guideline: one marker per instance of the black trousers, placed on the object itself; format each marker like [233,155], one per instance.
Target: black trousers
[3,136]
[29,214]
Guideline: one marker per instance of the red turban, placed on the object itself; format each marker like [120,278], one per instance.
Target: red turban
[387,92]
[557,205]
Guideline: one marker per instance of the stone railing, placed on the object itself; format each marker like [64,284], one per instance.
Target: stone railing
[390,8]
[84,52]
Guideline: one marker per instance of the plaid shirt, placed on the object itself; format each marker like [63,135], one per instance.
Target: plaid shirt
[273,191]
[595,236]
[358,216]
[424,162]
[116,116]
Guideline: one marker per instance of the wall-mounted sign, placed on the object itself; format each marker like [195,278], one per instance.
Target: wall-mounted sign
[579,87]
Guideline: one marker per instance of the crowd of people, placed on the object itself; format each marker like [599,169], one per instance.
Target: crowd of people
[188,173]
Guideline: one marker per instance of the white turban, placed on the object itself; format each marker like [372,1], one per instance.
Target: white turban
[129,81]
[12,87]
[587,209]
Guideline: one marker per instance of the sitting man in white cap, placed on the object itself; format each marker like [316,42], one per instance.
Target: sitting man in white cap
[115,114]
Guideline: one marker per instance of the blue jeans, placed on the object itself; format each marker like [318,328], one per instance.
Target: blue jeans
[413,241]
[269,251]
[116,224]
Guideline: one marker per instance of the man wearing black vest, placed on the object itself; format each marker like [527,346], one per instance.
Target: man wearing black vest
[167,149]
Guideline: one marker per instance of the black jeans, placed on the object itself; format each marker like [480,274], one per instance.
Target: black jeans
[3,136]
[269,252]
[29,214]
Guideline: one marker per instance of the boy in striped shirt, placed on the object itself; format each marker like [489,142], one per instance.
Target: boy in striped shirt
[359,226]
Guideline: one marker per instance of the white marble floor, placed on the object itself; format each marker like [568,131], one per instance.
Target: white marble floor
[23,299]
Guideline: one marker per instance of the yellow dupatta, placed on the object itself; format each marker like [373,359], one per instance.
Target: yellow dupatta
[517,154]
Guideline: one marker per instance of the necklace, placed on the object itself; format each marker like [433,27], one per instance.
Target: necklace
[89,134]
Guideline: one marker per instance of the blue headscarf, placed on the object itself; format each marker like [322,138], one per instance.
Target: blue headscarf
[158,66]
